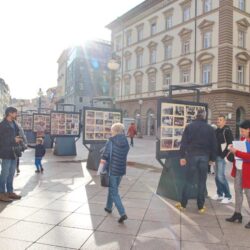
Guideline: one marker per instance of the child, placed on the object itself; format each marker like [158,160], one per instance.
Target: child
[39,153]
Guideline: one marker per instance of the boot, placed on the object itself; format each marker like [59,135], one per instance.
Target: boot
[14,196]
[247,225]
[235,217]
[5,198]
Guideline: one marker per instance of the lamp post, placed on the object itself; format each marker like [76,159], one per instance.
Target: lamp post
[140,102]
[40,93]
[21,105]
[113,66]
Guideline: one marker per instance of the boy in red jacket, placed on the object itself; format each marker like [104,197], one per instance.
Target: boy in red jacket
[131,133]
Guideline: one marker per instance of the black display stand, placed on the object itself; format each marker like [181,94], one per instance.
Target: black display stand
[94,156]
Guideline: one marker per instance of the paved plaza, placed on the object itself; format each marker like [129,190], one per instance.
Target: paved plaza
[63,209]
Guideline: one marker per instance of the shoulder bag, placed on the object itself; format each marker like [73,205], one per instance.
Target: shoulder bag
[104,175]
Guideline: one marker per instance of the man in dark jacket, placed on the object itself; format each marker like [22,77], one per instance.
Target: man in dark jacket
[224,137]
[115,153]
[9,138]
[198,147]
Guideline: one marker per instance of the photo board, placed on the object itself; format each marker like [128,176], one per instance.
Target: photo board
[97,123]
[27,122]
[65,124]
[173,117]
[41,123]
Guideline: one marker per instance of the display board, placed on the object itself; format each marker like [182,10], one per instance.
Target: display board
[27,122]
[97,123]
[65,123]
[173,117]
[41,123]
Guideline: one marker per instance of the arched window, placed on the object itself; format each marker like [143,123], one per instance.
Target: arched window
[150,122]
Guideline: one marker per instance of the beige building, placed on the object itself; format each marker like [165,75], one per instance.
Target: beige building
[174,42]
[4,97]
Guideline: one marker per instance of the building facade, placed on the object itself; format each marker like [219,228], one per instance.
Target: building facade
[182,42]
[87,75]
[4,97]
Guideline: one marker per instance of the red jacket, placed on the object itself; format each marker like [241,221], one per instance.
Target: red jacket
[245,167]
[132,131]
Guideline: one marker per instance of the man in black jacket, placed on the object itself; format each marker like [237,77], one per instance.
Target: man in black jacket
[198,147]
[9,138]
[224,137]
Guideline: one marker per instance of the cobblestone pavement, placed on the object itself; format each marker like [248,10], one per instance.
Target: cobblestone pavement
[63,209]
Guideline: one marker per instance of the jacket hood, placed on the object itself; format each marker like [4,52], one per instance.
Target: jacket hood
[120,140]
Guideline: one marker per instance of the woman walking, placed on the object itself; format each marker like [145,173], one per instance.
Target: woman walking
[115,153]
[241,173]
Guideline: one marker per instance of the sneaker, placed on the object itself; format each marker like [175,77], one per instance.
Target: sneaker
[123,218]
[41,169]
[202,210]
[179,206]
[218,197]
[108,210]
[14,196]
[18,171]
[37,171]
[4,197]
[226,200]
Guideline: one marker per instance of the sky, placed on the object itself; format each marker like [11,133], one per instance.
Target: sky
[33,33]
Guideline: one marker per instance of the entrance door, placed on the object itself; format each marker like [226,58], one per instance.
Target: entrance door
[150,122]
[240,116]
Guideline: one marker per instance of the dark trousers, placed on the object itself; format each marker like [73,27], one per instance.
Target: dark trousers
[132,141]
[196,164]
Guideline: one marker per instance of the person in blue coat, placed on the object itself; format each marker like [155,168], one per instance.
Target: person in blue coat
[115,153]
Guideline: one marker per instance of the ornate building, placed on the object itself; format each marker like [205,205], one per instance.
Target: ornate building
[182,42]
[4,97]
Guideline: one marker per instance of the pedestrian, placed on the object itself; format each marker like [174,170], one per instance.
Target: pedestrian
[132,132]
[241,174]
[39,154]
[211,166]
[224,138]
[9,141]
[115,152]
[198,147]
[25,142]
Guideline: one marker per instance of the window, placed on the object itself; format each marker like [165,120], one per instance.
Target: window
[139,58]
[185,76]
[167,79]
[127,63]
[138,85]
[207,73]
[168,51]
[153,29]
[153,56]
[207,5]
[241,39]
[118,43]
[185,47]
[242,5]
[117,89]
[139,33]
[152,82]
[129,38]
[207,38]
[80,99]
[127,87]
[169,23]
[240,74]
[186,13]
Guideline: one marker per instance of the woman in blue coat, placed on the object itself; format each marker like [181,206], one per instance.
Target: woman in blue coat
[115,153]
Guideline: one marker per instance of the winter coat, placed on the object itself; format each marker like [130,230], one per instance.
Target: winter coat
[132,131]
[7,140]
[198,139]
[39,150]
[118,145]
[221,135]
[245,167]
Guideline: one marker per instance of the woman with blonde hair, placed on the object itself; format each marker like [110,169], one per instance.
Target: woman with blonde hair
[115,153]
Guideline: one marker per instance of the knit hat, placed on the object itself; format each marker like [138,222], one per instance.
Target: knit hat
[10,110]
[245,124]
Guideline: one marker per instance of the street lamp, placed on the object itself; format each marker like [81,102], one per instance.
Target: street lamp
[113,66]
[140,102]
[40,93]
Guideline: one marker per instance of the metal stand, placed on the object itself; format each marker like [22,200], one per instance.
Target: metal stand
[31,136]
[48,141]
[94,156]
[65,146]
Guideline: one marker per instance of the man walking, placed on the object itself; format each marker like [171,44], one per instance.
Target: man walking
[198,147]
[9,138]
[224,137]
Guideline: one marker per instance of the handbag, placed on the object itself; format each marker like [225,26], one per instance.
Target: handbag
[104,175]
[230,157]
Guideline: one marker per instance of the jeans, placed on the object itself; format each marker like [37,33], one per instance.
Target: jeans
[7,175]
[220,178]
[113,195]
[38,163]
[132,141]
[195,164]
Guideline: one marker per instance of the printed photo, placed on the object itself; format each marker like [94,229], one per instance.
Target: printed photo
[90,121]
[90,136]
[99,115]
[179,110]
[166,132]
[177,142]
[179,121]
[167,144]
[178,131]
[99,122]
[168,110]
[191,110]
[99,136]
[167,121]
[190,119]
[108,123]
[90,114]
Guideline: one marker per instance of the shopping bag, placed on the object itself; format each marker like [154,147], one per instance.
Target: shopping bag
[104,178]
